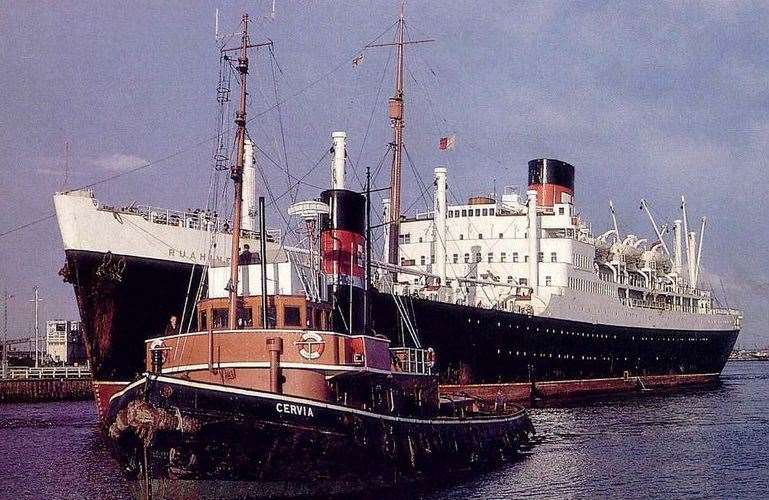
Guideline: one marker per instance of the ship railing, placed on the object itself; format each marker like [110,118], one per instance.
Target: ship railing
[411,360]
[200,219]
[49,372]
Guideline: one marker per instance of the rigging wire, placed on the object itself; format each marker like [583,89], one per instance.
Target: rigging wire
[199,142]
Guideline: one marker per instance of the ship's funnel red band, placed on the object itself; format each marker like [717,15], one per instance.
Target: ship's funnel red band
[553,180]
[342,254]
[342,244]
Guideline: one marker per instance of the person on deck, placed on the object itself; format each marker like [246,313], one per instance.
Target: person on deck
[171,327]
[245,256]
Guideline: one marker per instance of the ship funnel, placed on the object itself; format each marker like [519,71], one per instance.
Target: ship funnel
[553,180]
[338,163]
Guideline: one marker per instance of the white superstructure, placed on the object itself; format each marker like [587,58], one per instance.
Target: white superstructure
[511,254]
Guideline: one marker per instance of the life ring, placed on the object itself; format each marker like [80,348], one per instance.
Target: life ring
[430,358]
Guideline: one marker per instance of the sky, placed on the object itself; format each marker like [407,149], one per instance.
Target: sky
[646,99]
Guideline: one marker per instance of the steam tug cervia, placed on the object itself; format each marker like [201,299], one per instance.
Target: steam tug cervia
[297,397]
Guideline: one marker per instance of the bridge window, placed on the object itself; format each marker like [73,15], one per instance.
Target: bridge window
[467,258]
[456,258]
[485,211]
[464,213]
[515,256]
[502,257]
[477,212]
[490,257]
[553,257]
[292,316]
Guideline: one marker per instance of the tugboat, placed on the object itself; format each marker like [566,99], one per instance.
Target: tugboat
[298,403]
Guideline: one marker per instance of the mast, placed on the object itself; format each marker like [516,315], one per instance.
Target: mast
[396,117]
[236,173]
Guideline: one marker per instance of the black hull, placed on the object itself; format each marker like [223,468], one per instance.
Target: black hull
[483,346]
[123,301]
[474,346]
[243,435]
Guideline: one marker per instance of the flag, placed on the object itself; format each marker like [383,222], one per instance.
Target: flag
[357,60]
[447,142]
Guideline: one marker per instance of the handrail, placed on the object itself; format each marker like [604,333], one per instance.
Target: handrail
[49,372]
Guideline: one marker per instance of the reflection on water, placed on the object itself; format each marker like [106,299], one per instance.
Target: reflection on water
[709,442]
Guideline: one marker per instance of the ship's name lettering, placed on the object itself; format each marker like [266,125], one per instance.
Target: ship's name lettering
[194,256]
[300,410]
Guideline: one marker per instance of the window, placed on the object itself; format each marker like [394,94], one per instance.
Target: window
[485,211]
[480,236]
[291,316]
[540,256]
[501,236]
[461,236]
[560,211]
[451,213]
[509,279]
[515,256]
[464,213]
[405,238]
[478,257]
[422,260]
[420,239]
[523,281]
[490,257]
[456,258]
[553,257]
[467,258]
[502,257]
[491,211]
[432,259]
[525,258]
[548,281]
[477,212]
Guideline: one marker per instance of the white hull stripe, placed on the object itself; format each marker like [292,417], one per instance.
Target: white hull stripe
[266,364]
[302,401]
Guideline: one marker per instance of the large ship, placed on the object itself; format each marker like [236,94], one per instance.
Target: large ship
[514,292]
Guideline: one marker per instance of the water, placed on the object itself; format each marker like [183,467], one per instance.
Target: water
[704,443]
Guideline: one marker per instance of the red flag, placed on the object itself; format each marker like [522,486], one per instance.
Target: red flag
[447,143]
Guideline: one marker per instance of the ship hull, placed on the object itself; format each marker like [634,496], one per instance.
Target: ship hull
[486,346]
[474,345]
[202,431]
[124,300]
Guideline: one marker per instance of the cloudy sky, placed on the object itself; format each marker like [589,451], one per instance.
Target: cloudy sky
[646,99]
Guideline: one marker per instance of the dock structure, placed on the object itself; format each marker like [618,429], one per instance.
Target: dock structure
[55,383]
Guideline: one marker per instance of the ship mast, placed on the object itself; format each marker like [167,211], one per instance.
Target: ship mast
[396,117]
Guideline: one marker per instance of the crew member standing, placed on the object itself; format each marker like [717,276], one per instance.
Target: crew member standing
[171,328]
[245,256]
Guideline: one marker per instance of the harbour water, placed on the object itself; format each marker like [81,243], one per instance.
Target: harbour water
[701,443]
